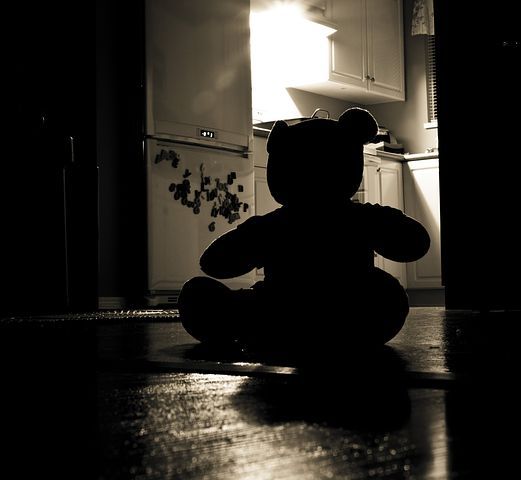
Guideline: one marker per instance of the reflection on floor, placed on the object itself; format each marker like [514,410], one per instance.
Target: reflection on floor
[134,396]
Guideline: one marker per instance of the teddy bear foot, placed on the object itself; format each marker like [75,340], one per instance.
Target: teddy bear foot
[209,311]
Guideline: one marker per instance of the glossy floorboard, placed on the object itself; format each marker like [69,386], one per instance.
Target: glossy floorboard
[192,426]
[138,398]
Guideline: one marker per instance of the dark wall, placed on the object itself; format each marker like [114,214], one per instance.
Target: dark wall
[74,71]
[119,124]
[48,193]
[478,114]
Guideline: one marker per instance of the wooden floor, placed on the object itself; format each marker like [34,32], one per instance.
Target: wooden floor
[133,396]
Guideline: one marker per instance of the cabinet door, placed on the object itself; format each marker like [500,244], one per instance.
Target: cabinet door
[264,202]
[385,47]
[371,189]
[422,201]
[391,185]
[366,53]
[349,44]
[371,183]
[383,184]
[391,194]
[260,154]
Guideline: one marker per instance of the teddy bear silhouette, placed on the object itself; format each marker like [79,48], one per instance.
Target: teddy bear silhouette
[321,288]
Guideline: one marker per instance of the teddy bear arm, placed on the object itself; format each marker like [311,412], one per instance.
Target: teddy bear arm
[400,238]
[232,254]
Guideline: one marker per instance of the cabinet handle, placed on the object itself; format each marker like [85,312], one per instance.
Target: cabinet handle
[372,79]
[368,77]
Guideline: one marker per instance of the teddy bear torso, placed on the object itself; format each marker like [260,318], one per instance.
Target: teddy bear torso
[293,247]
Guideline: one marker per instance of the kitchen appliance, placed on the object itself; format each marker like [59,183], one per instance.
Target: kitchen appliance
[198,135]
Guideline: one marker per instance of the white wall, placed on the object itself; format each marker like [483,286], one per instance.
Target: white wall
[287,103]
[307,102]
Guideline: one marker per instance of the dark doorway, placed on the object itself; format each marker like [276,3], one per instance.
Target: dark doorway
[478,105]
[49,175]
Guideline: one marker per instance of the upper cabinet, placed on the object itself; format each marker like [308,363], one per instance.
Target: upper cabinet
[385,57]
[366,55]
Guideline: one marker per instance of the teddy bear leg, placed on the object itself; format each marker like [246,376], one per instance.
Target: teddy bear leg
[211,312]
[387,306]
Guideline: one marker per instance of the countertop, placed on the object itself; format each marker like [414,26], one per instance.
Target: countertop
[405,157]
[420,156]
[263,130]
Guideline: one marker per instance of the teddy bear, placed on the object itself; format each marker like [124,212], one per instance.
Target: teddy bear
[321,288]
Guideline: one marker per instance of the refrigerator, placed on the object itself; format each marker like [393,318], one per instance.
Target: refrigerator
[198,135]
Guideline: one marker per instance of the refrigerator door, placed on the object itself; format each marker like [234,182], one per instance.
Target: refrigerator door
[198,81]
[194,195]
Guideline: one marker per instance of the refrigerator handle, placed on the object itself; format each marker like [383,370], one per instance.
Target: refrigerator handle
[71,146]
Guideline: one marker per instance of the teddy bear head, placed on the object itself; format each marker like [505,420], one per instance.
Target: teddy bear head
[320,155]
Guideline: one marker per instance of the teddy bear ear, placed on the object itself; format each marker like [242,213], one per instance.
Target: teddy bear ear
[276,134]
[360,123]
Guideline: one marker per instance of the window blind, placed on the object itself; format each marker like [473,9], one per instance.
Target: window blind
[432,106]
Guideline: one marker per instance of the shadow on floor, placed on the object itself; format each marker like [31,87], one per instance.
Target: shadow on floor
[362,390]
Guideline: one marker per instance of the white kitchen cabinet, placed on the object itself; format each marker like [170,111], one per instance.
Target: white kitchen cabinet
[382,183]
[422,202]
[366,63]
[264,202]
[385,54]
[391,194]
[260,154]
[370,183]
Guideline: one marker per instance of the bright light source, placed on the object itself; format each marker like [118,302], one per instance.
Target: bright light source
[288,19]
[287,50]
